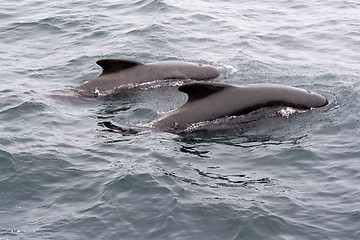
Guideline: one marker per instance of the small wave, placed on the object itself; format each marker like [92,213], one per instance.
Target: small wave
[227,70]
[25,108]
[10,232]
[154,6]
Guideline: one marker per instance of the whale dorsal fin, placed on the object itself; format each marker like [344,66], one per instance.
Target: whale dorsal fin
[116,65]
[197,91]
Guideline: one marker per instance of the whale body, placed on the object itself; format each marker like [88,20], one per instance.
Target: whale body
[209,101]
[120,72]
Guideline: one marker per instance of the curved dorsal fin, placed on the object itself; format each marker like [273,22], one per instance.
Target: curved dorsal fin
[116,65]
[197,91]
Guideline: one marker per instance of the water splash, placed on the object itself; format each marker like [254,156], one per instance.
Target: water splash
[287,112]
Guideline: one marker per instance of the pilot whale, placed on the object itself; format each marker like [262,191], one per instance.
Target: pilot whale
[210,101]
[121,72]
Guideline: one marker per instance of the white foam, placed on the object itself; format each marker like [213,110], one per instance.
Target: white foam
[287,112]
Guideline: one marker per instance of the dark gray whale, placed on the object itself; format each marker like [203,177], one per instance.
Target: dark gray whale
[120,72]
[209,101]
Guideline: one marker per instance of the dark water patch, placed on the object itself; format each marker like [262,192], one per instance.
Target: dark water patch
[109,113]
[217,180]
[117,129]
[112,108]
[201,17]
[97,35]
[25,108]
[299,6]
[5,16]
[231,178]
[9,98]
[23,30]
[138,115]
[6,166]
[190,149]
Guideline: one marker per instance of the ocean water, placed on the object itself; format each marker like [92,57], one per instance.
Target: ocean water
[66,173]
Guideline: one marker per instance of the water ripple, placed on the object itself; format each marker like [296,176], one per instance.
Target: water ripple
[69,171]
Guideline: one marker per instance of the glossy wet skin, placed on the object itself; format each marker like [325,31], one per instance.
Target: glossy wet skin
[208,101]
[117,73]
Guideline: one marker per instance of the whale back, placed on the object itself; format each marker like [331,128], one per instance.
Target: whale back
[252,96]
[209,101]
[117,73]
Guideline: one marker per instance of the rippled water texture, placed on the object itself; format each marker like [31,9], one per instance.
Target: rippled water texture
[67,171]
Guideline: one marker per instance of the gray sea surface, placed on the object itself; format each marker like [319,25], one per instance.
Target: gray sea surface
[67,173]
